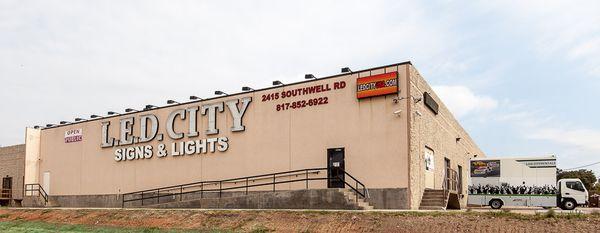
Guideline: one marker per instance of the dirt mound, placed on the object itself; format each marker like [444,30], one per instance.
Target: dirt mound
[310,221]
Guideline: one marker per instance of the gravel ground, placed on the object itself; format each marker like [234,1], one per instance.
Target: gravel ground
[313,221]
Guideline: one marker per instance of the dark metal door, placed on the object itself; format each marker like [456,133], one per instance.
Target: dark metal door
[5,191]
[335,168]
[460,179]
[7,183]
[447,174]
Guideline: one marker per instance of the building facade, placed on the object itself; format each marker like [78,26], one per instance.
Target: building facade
[12,172]
[385,126]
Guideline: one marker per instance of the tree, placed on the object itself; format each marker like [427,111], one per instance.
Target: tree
[586,176]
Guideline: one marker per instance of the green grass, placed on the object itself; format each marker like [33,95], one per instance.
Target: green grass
[38,227]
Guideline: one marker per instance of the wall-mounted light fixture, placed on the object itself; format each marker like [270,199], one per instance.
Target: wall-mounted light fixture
[94,116]
[220,93]
[193,97]
[247,89]
[346,70]
[309,76]
[149,106]
[79,119]
[172,102]
[130,110]
[277,82]
[112,113]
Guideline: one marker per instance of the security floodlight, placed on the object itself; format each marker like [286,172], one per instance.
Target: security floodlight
[130,110]
[309,76]
[149,106]
[193,97]
[64,122]
[36,127]
[172,102]
[112,113]
[79,119]
[220,93]
[346,70]
[49,125]
[277,82]
[94,116]
[247,89]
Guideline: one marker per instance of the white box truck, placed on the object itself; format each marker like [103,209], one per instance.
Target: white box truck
[522,182]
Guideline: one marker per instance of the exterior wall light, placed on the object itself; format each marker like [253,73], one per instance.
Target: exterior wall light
[94,116]
[112,113]
[79,119]
[64,122]
[309,76]
[172,102]
[220,93]
[193,97]
[149,106]
[346,70]
[277,82]
[247,89]
[130,110]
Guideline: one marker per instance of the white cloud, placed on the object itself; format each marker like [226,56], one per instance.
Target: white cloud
[582,139]
[574,145]
[560,29]
[462,101]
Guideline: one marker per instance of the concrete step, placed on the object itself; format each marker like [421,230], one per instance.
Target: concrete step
[433,200]
[352,197]
[434,191]
[434,194]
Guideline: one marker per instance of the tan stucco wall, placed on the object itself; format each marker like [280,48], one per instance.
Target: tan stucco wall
[374,137]
[438,132]
[12,164]
[32,155]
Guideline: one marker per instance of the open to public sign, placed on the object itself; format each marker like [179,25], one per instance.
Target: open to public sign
[376,85]
[73,135]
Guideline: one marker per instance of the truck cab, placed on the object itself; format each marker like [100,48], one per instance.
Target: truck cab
[571,193]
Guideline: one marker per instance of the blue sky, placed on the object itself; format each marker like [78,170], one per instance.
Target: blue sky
[523,77]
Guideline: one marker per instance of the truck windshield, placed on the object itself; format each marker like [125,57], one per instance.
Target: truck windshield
[575,185]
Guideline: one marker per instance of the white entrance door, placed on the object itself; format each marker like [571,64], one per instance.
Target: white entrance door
[429,169]
[46,182]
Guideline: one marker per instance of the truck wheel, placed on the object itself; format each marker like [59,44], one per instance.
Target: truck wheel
[568,205]
[496,204]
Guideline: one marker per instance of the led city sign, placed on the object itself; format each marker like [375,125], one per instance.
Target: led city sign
[376,85]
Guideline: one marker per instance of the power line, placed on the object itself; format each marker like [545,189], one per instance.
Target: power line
[591,164]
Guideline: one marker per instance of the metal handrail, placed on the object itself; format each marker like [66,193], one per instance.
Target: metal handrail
[156,193]
[450,181]
[5,193]
[32,188]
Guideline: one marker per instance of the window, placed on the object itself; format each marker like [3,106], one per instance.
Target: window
[576,185]
[429,159]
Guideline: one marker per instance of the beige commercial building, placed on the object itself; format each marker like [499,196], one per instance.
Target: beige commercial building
[381,127]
